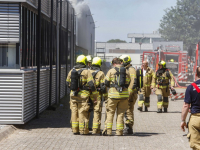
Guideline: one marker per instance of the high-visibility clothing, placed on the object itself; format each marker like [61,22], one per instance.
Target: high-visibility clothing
[129,115]
[113,92]
[162,83]
[120,106]
[99,80]
[145,91]
[79,103]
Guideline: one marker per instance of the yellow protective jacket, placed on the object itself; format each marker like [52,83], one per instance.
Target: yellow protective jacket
[148,78]
[163,81]
[99,81]
[111,79]
[132,73]
[86,80]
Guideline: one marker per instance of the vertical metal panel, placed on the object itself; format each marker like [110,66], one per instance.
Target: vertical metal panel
[70,18]
[9,22]
[54,10]
[11,98]
[63,82]
[45,4]
[44,90]
[33,2]
[53,100]
[30,91]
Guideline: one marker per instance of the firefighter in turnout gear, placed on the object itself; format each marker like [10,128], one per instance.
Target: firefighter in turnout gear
[145,84]
[118,80]
[99,79]
[161,80]
[129,115]
[81,83]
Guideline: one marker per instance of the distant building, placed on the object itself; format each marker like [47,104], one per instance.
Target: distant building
[145,37]
[139,43]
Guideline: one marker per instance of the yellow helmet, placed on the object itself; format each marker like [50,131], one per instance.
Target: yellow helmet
[163,63]
[89,58]
[96,61]
[81,59]
[171,60]
[125,58]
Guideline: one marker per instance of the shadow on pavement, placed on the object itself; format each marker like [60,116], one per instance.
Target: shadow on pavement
[149,111]
[162,112]
[173,112]
[144,134]
[60,118]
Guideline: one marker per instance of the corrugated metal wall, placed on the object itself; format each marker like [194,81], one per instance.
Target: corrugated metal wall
[11,98]
[30,86]
[18,93]
[9,22]
[30,94]
[63,82]
[44,89]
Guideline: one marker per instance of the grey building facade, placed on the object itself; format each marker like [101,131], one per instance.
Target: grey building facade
[37,50]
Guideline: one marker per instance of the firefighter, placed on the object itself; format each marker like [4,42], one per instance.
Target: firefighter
[81,83]
[89,61]
[161,80]
[99,79]
[117,79]
[144,75]
[129,115]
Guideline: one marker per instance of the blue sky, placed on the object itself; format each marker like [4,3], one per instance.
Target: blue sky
[117,18]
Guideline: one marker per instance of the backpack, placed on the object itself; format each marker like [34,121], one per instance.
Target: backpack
[121,76]
[76,79]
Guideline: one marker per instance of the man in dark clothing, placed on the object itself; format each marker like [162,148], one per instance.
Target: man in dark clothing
[192,99]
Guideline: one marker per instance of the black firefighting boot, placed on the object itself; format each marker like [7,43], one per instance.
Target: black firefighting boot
[146,109]
[104,132]
[165,110]
[159,111]
[78,133]
[140,108]
[128,129]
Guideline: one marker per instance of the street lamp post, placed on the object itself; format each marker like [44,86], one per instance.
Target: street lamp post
[140,45]
[141,42]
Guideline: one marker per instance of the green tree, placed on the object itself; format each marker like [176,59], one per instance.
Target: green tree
[116,41]
[182,22]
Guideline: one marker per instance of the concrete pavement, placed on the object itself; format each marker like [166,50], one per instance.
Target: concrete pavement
[152,131]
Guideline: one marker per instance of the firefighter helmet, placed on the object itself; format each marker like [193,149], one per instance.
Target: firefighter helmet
[171,60]
[97,61]
[81,59]
[89,58]
[163,63]
[125,58]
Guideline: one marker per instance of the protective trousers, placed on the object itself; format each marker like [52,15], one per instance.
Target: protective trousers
[97,117]
[144,97]
[105,122]
[129,115]
[194,131]
[121,106]
[79,115]
[163,100]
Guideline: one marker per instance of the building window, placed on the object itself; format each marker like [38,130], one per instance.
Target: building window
[8,54]
[142,40]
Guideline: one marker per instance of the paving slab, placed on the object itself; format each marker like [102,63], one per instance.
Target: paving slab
[152,131]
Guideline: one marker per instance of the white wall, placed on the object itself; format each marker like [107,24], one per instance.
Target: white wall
[133,46]
[85,28]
